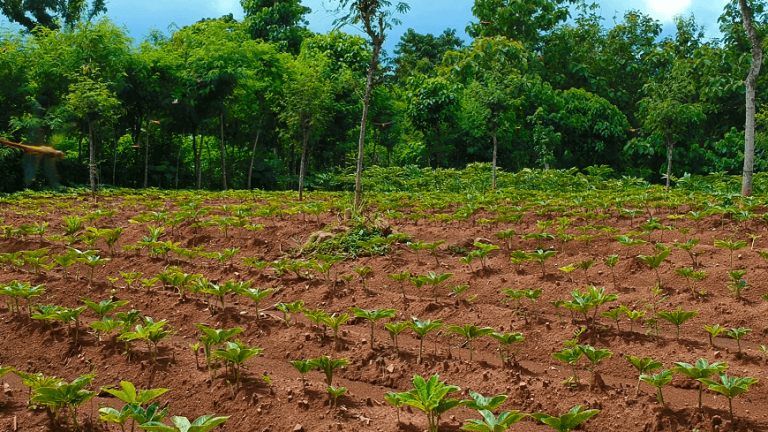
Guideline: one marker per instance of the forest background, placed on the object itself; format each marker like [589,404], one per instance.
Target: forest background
[235,103]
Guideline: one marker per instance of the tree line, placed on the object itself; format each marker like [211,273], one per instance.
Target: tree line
[264,102]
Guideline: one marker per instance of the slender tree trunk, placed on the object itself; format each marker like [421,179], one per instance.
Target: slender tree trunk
[303,165]
[670,151]
[223,154]
[253,157]
[754,71]
[495,148]
[377,42]
[146,154]
[92,156]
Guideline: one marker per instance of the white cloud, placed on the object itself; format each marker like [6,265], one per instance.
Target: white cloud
[664,10]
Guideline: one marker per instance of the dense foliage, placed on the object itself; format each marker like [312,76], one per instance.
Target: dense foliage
[225,104]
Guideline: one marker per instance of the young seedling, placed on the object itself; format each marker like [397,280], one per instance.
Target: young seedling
[505,346]
[480,402]
[201,424]
[435,280]
[418,283]
[731,246]
[92,261]
[688,248]
[658,380]
[570,356]
[691,276]
[611,262]
[334,393]
[401,277]
[588,240]
[303,366]
[513,295]
[394,330]
[713,332]
[729,387]
[541,257]
[397,401]
[422,328]
[677,318]
[615,314]
[566,422]
[470,333]
[643,365]
[594,356]
[738,334]
[533,295]
[703,369]
[328,365]
[654,261]
[430,398]
[373,316]
[557,304]
[458,290]
[507,236]
[334,322]
[105,306]
[363,272]
[215,337]
[737,284]
[468,261]
[539,237]
[570,268]
[257,295]
[518,258]
[236,353]
[491,423]
[629,242]
[432,247]
[585,265]
[482,252]
[65,395]
[288,308]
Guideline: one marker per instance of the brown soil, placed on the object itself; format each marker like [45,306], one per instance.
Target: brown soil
[535,385]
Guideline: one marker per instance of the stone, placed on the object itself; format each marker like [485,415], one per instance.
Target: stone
[299,428]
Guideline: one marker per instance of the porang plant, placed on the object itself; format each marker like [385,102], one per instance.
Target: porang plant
[373,316]
[658,380]
[729,387]
[677,317]
[568,421]
[431,397]
[702,369]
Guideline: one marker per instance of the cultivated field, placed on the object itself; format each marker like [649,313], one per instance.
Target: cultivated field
[538,296]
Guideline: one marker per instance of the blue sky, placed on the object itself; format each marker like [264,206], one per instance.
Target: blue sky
[425,16]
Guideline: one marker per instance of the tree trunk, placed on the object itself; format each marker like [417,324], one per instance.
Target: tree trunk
[146,154]
[377,42]
[670,151]
[92,156]
[223,154]
[303,166]
[253,157]
[754,71]
[495,147]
